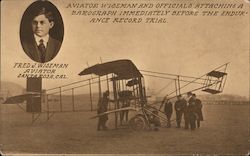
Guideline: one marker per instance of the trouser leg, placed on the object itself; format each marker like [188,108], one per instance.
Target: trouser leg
[198,123]
[126,116]
[178,119]
[99,123]
[186,118]
[168,120]
[104,124]
[121,116]
[104,120]
[192,121]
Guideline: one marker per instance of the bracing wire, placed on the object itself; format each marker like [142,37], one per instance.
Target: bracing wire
[163,88]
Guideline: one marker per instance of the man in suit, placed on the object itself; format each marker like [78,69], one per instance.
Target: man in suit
[102,108]
[179,106]
[192,111]
[40,46]
[168,109]
[198,104]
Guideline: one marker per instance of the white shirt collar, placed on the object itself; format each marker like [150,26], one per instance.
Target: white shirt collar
[44,38]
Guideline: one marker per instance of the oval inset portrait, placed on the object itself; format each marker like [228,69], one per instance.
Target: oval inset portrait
[41,31]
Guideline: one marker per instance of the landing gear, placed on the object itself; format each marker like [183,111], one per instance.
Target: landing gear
[137,122]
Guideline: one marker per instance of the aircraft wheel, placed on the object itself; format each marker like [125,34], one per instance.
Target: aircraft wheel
[137,122]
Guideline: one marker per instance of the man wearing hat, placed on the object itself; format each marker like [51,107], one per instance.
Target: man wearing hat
[168,110]
[199,116]
[192,111]
[102,108]
[179,109]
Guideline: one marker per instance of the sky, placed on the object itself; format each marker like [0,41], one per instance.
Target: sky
[184,45]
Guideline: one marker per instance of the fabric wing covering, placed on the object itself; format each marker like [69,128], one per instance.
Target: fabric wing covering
[124,69]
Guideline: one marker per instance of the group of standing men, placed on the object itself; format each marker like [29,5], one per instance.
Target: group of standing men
[190,108]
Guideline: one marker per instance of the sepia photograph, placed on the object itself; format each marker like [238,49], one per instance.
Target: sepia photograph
[41,31]
[124,77]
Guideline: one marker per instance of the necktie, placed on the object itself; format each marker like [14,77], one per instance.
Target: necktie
[41,48]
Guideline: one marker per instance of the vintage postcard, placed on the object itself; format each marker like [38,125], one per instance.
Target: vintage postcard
[119,77]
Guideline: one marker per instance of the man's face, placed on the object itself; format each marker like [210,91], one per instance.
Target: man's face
[41,25]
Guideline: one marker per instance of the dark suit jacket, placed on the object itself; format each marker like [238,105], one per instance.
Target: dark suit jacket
[168,109]
[31,49]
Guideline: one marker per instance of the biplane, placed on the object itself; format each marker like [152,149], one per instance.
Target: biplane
[128,94]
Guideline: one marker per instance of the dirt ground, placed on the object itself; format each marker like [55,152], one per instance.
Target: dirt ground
[224,131]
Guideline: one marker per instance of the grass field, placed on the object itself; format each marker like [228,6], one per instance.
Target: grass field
[224,131]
